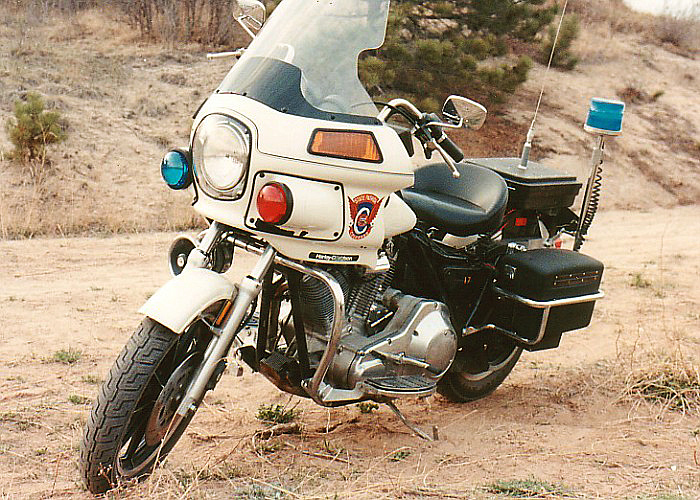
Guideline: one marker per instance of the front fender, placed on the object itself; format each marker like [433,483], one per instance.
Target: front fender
[177,303]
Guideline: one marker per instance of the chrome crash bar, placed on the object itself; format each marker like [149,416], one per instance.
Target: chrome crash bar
[320,392]
[546,306]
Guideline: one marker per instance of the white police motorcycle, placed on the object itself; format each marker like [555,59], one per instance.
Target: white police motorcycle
[389,266]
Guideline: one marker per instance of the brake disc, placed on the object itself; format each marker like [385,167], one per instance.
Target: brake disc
[169,399]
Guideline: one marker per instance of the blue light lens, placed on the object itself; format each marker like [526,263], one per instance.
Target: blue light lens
[605,116]
[175,169]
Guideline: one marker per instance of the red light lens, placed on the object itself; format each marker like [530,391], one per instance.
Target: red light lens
[274,203]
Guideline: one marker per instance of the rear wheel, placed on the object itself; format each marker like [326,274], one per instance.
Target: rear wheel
[480,366]
[133,422]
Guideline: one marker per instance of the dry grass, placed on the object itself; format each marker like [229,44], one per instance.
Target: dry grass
[672,383]
[679,31]
[613,13]
[122,114]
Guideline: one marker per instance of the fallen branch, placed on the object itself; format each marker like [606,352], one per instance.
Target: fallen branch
[275,430]
[332,458]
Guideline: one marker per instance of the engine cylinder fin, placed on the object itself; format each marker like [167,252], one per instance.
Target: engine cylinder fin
[318,302]
[363,296]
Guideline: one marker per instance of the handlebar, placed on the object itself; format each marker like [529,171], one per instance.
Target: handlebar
[450,147]
[428,129]
[221,55]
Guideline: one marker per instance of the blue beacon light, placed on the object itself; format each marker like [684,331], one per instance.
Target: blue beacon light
[605,117]
[175,169]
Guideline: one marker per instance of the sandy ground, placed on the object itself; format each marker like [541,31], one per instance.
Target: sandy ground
[562,417]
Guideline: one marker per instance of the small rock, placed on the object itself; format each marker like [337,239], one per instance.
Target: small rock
[405,34]
[438,26]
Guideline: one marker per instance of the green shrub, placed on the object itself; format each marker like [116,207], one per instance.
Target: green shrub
[434,49]
[276,414]
[67,356]
[33,128]
[563,57]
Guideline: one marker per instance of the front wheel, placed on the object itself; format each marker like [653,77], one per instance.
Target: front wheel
[480,366]
[133,422]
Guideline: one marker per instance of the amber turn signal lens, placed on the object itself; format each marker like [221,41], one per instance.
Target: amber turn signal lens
[352,145]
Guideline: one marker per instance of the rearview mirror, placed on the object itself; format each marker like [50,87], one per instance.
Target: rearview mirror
[462,112]
[252,15]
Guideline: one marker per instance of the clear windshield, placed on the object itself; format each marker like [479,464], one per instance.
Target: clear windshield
[309,49]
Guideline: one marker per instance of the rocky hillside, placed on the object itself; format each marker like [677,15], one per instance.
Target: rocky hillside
[126,101]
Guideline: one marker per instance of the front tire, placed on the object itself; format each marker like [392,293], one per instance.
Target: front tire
[480,366]
[133,422]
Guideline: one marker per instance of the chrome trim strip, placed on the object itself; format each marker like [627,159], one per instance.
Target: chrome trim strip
[550,303]
[546,306]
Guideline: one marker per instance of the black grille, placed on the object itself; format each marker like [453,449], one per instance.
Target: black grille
[574,279]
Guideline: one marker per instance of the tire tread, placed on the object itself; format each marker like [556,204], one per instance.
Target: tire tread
[111,411]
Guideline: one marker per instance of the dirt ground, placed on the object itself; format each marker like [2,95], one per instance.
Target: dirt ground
[563,417]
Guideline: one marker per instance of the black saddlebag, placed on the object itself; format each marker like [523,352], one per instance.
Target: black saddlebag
[539,294]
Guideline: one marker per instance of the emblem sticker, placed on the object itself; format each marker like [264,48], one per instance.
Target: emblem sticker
[363,210]
[333,257]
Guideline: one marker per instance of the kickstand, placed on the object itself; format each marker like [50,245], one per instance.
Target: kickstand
[410,425]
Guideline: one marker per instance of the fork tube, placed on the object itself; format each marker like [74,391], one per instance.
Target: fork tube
[264,322]
[248,289]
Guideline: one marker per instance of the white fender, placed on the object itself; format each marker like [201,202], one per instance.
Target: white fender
[177,303]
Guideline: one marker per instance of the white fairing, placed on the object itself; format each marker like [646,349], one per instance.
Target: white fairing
[399,218]
[347,224]
[178,303]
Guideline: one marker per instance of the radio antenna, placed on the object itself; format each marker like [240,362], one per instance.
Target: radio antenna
[525,157]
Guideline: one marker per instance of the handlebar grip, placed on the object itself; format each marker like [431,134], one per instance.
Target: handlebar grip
[451,148]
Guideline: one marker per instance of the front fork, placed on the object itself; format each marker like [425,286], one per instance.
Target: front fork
[247,290]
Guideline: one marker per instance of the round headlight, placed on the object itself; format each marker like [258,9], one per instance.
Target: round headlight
[221,150]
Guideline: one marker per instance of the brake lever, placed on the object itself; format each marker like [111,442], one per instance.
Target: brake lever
[448,159]
[446,125]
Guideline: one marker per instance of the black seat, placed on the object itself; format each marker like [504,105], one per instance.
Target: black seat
[472,204]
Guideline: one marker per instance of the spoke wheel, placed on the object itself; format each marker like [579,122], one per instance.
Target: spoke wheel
[133,423]
[480,366]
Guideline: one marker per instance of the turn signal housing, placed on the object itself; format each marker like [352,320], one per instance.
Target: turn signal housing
[274,203]
[347,144]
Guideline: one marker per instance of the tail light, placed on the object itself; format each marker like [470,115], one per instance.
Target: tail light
[274,203]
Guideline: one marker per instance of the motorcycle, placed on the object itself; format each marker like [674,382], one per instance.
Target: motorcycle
[382,273]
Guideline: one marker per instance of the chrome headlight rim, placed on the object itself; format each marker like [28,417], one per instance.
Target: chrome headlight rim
[220,166]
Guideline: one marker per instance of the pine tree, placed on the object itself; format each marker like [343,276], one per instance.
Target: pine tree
[433,49]
[563,57]
[33,128]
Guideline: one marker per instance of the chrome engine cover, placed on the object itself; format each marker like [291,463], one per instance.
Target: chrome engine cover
[418,340]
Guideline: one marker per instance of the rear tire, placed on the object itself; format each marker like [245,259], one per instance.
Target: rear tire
[479,368]
[132,424]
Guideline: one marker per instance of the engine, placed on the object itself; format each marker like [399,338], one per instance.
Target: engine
[393,342]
